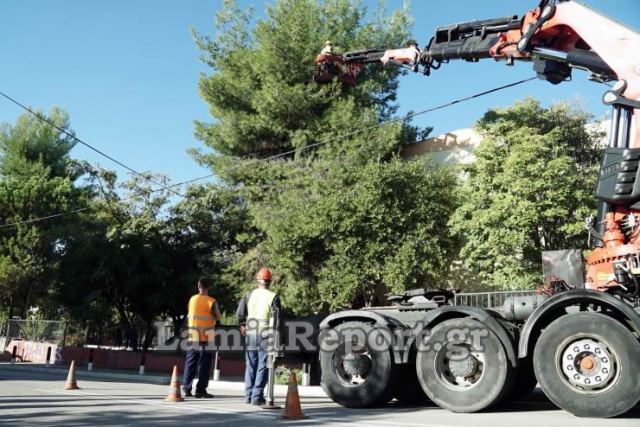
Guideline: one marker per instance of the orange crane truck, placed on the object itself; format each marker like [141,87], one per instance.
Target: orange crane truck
[578,341]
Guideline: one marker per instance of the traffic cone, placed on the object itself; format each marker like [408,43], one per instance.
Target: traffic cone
[174,388]
[292,409]
[71,378]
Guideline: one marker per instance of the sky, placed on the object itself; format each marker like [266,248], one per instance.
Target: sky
[127,71]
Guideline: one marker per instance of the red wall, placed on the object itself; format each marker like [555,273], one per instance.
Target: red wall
[124,359]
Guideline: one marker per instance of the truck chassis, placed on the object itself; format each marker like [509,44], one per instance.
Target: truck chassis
[580,345]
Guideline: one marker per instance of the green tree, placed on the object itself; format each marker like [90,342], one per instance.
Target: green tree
[346,240]
[261,91]
[117,265]
[529,190]
[207,231]
[36,180]
[344,222]
[137,259]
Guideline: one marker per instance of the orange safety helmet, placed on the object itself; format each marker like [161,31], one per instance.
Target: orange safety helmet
[263,274]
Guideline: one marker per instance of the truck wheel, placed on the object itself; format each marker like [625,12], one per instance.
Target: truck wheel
[358,377]
[524,382]
[460,372]
[407,386]
[589,364]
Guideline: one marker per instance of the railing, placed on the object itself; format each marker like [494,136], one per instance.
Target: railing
[487,299]
[35,330]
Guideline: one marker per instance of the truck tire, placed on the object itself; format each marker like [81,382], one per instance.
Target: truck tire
[589,364]
[356,379]
[407,388]
[462,373]
[524,382]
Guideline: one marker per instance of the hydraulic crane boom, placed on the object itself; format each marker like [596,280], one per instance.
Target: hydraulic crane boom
[556,36]
[545,35]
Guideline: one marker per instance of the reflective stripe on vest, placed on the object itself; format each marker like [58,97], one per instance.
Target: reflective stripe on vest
[200,317]
[259,306]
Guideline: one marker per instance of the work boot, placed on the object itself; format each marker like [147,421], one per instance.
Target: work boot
[204,395]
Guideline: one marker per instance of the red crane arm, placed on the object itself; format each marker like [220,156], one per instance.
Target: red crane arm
[557,36]
[573,27]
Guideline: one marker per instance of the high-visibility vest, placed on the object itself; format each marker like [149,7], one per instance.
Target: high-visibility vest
[200,318]
[259,306]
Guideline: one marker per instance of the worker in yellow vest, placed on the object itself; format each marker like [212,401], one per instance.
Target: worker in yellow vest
[253,315]
[202,316]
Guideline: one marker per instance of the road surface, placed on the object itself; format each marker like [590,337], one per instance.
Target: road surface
[28,398]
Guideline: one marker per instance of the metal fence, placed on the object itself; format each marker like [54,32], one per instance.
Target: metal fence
[35,330]
[487,299]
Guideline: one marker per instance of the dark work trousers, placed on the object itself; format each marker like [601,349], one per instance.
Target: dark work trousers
[198,358]
[256,372]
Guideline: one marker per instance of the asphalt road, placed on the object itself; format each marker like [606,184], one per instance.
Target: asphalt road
[28,399]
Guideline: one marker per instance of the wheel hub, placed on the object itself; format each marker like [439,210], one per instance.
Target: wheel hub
[588,364]
[464,368]
[460,374]
[356,364]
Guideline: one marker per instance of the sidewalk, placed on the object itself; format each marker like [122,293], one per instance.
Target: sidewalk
[82,373]
[158,379]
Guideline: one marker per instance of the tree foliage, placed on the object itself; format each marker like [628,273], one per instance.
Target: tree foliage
[36,180]
[348,220]
[138,260]
[261,91]
[344,241]
[529,190]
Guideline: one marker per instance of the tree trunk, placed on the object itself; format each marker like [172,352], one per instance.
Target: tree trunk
[87,329]
[177,325]
[149,334]
[11,306]
[131,338]
[25,305]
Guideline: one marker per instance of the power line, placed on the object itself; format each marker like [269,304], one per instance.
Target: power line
[399,119]
[43,218]
[286,153]
[91,147]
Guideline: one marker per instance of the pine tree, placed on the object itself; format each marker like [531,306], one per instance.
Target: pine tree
[37,179]
[348,220]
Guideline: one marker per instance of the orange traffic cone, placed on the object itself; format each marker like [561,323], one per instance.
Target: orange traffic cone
[71,378]
[292,409]
[174,388]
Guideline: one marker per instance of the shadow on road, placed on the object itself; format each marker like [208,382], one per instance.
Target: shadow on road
[120,408]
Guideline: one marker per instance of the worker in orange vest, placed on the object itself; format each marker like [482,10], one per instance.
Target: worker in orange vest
[203,314]
[253,315]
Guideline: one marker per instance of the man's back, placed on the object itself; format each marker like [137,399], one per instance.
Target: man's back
[201,317]
[259,305]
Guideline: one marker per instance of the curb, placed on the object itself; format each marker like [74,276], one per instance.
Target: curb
[279,389]
[99,375]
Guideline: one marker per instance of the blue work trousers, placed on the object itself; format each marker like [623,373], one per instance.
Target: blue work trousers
[256,372]
[198,358]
